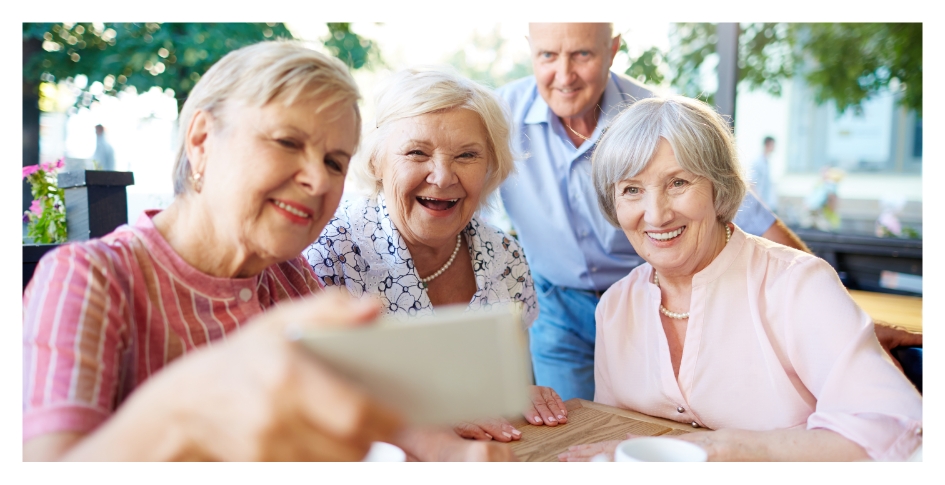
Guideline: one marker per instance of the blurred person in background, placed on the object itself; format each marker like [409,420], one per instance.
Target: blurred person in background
[759,175]
[160,340]
[104,156]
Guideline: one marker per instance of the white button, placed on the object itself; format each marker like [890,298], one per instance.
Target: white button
[246,294]
[695,424]
[680,409]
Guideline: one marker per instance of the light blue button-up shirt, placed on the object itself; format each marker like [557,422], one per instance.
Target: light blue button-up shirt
[551,200]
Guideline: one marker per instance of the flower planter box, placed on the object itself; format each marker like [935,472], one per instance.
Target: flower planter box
[96,204]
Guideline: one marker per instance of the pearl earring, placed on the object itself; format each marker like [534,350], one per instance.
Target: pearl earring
[196,180]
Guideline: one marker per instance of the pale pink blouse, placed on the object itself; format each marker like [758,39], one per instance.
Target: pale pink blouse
[774,341]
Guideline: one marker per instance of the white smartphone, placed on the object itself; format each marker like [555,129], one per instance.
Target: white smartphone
[455,365]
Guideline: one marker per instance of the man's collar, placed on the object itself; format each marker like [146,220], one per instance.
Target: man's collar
[539,112]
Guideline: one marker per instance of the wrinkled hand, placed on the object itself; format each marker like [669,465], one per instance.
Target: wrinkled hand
[891,336]
[442,444]
[465,450]
[547,407]
[488,429]
[260,396]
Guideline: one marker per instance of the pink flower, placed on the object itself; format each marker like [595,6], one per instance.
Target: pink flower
[36,208]
[53,166]
[30,170]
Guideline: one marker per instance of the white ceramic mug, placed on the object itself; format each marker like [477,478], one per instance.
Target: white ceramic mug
[658,449]
[381,451]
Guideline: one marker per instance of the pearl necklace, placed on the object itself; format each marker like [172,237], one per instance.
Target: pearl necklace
[425,281]
[656,281]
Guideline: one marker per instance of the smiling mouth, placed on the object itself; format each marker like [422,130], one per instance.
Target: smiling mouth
[666,236]
[437,204]
[291,210]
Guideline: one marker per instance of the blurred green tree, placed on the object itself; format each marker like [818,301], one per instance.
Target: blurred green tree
[143,55]
[847,63]
[646,66]
[354,50]
[166,55]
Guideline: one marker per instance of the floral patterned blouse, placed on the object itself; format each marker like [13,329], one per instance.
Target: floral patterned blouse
[362,250]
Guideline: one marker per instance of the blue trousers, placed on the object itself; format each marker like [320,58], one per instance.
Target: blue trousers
[561,340]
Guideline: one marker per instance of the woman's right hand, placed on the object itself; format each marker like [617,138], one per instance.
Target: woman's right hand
[260,396]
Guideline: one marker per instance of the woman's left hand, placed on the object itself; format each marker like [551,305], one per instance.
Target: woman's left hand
[547,407]
[488,429]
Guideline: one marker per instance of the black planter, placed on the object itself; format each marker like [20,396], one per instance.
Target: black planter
[31,255]
[96,204]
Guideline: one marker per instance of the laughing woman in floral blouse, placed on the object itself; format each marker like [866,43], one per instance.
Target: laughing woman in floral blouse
[440,148]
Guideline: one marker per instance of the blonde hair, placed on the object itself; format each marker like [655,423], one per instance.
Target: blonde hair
[701,141]
[258,75]
[418,91]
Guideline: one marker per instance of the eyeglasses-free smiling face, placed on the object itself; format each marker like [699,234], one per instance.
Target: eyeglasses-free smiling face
[275,174]
[571,64]
[434,167]
[669,216]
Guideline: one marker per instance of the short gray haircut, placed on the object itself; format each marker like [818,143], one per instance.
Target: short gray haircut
[257,75]
[701,140]
[422,90]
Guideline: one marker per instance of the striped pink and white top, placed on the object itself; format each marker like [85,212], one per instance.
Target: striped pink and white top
[100,317]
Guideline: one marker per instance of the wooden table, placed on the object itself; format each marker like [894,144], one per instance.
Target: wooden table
[905,311]
[588,422]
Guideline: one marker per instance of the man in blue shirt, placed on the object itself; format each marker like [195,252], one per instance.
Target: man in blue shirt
[574,253]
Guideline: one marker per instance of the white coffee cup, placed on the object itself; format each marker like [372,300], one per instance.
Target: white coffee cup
[381,451]
[658,449]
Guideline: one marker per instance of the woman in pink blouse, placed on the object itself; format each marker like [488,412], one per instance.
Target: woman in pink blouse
[131,349]
[724,330]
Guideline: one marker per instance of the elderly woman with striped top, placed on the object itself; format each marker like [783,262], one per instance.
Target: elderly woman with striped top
[130,343]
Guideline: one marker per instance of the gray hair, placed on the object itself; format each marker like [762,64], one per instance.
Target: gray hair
[700,138]
[257,75]
[418,91]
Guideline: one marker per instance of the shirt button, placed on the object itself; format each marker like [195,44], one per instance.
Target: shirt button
[593,269]
[680,409]
[695,424]
[246,294]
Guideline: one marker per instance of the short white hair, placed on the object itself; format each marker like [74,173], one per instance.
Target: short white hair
[418,91]
[257,75]
[701,141]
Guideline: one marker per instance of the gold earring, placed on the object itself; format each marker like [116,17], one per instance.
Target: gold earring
[196,180]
